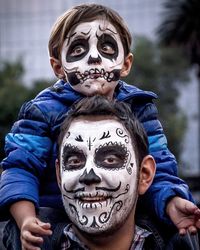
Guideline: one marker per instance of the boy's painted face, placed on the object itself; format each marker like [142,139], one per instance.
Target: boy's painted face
[99,175]
[92,57]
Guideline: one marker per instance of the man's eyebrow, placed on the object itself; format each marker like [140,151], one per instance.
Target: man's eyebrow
[101,29]
[68,149]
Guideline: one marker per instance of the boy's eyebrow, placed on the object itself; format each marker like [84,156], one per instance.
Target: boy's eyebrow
[72,35]
[86,33]
[101,29]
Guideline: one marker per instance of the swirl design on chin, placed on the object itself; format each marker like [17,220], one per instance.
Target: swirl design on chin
[83,221]
[105,216]
[121,134]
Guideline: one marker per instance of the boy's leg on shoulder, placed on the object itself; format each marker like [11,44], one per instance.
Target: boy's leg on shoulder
[2,225]
[11,236]
[185,242]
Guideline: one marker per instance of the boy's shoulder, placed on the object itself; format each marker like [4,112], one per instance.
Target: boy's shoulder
[54,97]
[50,102]
[58,92]
[126,91]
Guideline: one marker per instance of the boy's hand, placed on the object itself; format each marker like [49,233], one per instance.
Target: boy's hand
[32,231]
[184,214]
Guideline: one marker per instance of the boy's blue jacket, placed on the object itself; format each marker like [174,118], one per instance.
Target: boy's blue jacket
[29,168]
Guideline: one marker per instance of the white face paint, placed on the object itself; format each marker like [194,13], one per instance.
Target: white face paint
[92,57]
[99,175]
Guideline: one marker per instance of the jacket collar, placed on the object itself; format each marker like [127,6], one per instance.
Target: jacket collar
[65,93]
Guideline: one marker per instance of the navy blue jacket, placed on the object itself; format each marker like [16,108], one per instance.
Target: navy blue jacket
[29,168]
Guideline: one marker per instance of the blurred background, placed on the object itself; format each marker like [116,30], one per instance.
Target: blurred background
[166,48]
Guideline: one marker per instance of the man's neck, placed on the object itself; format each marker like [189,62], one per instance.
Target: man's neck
[119,239]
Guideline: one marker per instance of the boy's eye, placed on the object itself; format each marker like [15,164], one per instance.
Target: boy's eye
[77,50]
[107,49]
[107,46]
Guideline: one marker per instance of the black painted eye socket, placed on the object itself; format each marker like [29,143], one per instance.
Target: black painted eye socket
[77,50]
[107,46]
[75,161]
[111,157]
[73,158]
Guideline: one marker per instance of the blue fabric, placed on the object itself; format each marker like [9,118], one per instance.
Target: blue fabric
[29,171]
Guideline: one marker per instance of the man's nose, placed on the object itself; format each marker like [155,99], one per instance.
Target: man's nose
[89,178]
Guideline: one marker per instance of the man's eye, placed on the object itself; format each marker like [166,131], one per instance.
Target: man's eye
[77,50]
[74,162]
[111,159]
[107,49]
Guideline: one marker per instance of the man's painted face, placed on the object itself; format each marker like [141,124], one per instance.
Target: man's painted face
[99,175]
[92,57]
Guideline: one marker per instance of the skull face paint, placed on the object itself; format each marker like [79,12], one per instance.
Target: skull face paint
[99,175]
[92,57]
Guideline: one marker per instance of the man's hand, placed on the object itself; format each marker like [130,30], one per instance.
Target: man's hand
[184,214]
[32,231]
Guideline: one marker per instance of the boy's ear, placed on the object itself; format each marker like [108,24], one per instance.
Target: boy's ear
[57,68]
[58,172]
[147,173]
[128,61]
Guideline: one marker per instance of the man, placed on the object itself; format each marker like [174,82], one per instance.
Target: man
[103,166]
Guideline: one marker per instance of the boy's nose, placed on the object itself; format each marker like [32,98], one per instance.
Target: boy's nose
[94,60]
[89,178]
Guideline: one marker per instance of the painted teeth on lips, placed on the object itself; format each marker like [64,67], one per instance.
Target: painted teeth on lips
[93,199]
[97,197]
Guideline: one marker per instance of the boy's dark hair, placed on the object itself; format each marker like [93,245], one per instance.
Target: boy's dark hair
[100,106]
[86,13]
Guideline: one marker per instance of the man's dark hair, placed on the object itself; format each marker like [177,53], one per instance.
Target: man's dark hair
[101,106]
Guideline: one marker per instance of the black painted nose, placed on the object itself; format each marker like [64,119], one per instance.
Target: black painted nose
[94,60]
[89,178]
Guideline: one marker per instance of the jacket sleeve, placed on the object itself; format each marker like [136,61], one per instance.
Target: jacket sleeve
[166,183]
[27,148]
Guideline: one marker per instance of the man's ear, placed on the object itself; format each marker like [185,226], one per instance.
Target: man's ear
[147,173]
[127,65]
[57,68]
[58,172]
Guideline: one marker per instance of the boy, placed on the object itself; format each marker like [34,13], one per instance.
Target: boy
[89,51]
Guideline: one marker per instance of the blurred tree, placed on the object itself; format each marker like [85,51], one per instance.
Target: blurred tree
[181,28]
[13,93]
[163,71]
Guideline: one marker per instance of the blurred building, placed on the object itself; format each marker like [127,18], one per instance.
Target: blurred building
[24,32]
